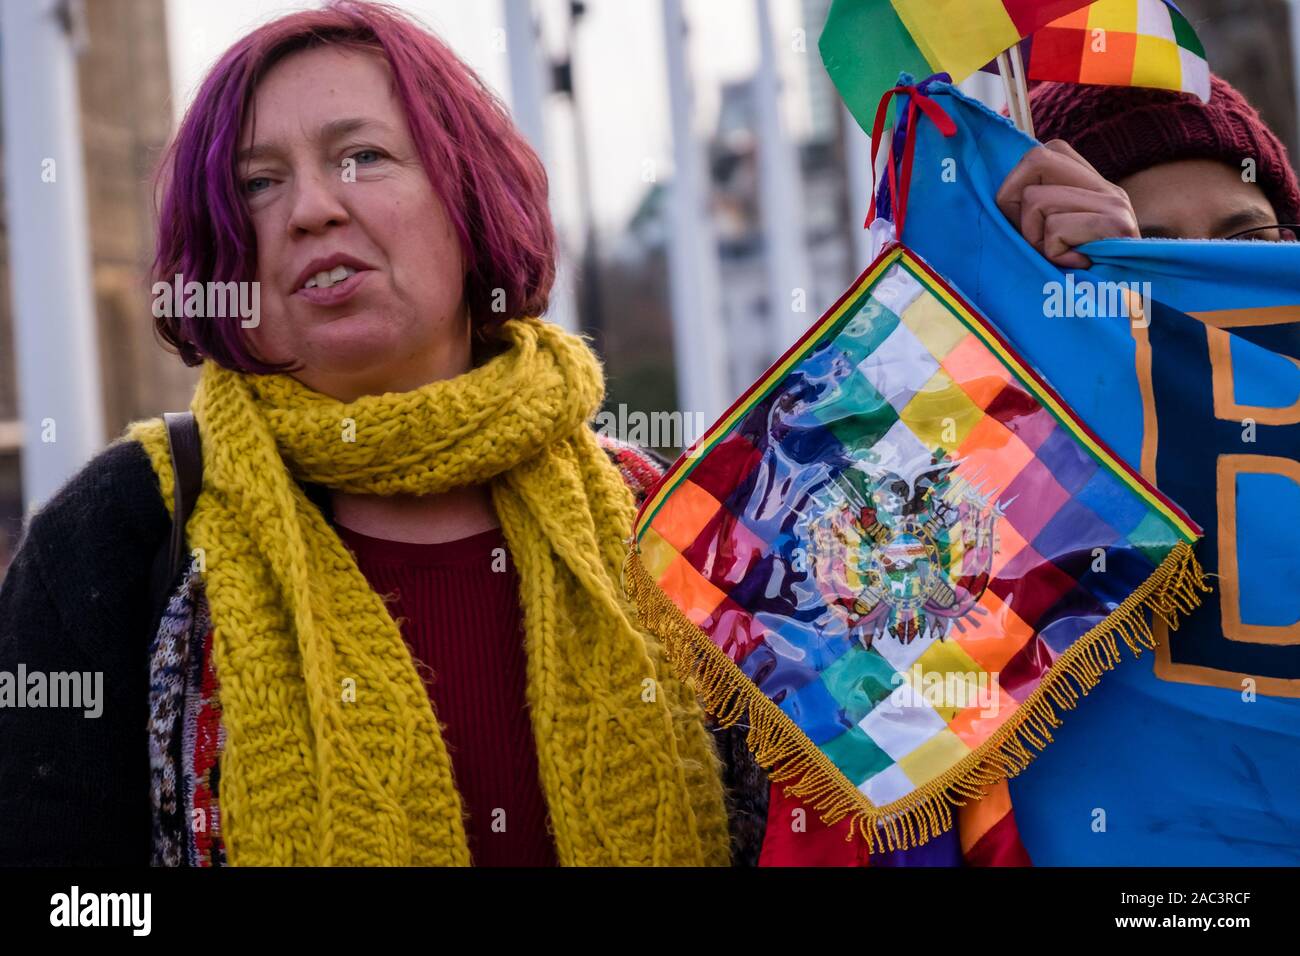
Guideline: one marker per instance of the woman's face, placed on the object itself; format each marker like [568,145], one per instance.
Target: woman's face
[333,183]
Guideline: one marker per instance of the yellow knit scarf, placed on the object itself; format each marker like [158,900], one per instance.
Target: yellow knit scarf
[333,755]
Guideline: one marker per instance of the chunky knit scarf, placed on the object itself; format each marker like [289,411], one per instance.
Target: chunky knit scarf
[334,755]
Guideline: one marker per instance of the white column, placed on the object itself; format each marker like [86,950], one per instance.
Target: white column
[530,85]
[692,250]
[49,249]
[780,201]
[857,162]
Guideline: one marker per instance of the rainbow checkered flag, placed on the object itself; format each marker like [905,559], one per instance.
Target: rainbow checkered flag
[1121,43]
[865,44]
[898,556]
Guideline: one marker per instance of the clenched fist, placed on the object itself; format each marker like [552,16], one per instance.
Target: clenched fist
[1059,201]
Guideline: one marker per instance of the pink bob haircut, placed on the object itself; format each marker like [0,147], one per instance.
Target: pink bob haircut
[489,179]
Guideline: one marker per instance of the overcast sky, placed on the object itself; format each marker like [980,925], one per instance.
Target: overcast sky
[620,71]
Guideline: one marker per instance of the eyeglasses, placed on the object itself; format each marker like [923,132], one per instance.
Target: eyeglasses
[1286,232]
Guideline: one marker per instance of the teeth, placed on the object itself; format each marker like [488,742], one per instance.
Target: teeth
[323,280]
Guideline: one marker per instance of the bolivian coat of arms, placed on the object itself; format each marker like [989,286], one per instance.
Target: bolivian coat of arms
[903,554]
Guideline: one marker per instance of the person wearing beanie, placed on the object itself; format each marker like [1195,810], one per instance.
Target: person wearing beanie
[1128,162]
[1190,760]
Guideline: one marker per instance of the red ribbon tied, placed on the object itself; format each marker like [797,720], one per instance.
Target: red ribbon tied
[916,100]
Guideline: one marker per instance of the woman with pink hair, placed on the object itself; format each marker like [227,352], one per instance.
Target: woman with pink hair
[401,636]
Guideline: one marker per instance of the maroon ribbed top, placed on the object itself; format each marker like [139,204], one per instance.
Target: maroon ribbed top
[457,603]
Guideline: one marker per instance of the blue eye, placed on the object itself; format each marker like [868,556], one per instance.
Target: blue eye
[367,152]
[250,184]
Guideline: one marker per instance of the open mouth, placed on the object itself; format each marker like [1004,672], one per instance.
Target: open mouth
[333,286]
[330,277]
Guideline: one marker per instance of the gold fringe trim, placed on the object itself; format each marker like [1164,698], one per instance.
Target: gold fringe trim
[781,748]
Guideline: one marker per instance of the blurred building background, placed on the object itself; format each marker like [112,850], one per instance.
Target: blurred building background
[602,100]
[125,121]
[1250,44]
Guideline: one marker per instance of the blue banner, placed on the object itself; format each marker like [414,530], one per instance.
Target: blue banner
[1184,357]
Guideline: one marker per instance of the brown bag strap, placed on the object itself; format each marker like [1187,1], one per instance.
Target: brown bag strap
[187,468]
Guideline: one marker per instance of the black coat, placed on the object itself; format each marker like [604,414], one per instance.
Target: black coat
[75,789]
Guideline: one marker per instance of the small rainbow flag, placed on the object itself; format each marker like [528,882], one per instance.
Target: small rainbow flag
[866,43]
[1122,43]
[959,36]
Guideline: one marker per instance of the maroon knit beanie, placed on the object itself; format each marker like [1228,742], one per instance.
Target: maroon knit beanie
[1123,130]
